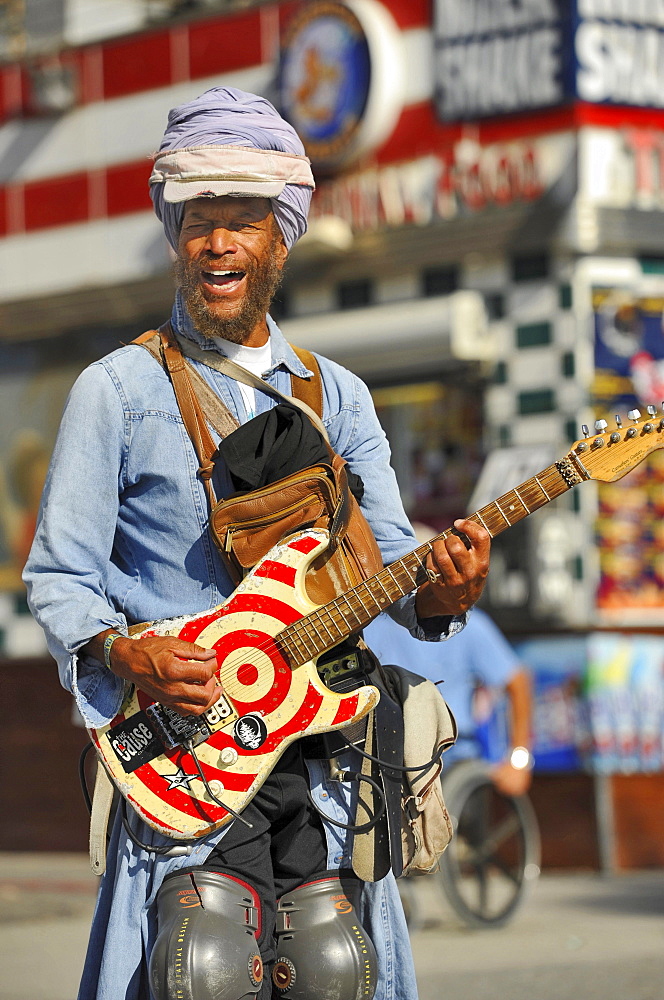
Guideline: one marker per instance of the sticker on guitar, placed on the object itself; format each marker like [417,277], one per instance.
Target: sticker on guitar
[268,636]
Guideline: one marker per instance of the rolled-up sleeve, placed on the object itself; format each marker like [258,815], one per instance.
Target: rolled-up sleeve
[68,564]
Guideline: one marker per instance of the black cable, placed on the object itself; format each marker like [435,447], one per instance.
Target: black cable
[190,747]
[81,774]
[174,851]
[163,850]
[395,767]
[362,827]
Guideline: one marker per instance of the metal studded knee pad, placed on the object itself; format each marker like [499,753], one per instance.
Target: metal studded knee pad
[323,953]
[206,943]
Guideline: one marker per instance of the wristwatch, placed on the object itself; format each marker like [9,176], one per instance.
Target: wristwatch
[108,643]
[521,759]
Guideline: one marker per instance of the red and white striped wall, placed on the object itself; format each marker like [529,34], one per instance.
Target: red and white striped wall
[74,205]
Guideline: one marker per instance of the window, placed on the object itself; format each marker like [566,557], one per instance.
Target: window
[355,294]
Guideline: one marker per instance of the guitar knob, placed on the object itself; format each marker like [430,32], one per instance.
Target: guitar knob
[652,410]
[600,425]
[634,414]
[228,756]
[615,437]
[618,420]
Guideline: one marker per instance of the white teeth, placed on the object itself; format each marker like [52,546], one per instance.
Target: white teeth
[221,274]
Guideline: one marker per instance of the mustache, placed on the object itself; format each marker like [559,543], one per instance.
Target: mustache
[226,262]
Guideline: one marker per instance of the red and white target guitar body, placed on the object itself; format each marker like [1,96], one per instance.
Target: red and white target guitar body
[268,637]
[269,701]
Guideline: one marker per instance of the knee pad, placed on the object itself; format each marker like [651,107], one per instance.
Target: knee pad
[206,946]
[323,953]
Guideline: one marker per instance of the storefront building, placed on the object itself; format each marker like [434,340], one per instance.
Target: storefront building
[485,250]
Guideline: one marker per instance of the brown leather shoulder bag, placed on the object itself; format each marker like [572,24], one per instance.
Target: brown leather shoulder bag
[245,526]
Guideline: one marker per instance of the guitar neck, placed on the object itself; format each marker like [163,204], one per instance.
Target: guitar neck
[333,622]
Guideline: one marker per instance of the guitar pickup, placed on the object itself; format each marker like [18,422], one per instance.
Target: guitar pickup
[176,730]
[218,713]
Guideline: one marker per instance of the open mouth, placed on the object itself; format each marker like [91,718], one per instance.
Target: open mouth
[222,278]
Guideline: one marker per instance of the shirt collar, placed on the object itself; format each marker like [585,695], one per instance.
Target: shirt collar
[283,354]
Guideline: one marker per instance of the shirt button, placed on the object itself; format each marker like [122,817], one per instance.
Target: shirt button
[338,858]
[324,795]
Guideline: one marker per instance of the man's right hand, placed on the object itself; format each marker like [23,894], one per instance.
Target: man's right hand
[175,673]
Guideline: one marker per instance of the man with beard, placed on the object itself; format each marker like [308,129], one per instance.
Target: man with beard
[123,538]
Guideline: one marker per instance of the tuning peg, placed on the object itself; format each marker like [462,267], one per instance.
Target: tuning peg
[600,426]
[652,410]
[585,430]
[634,415]
[618,420]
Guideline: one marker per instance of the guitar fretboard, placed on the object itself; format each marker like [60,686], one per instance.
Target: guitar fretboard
[333,622]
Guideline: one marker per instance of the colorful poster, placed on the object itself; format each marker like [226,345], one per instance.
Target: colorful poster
[561,736]
[629,374]
[625,696]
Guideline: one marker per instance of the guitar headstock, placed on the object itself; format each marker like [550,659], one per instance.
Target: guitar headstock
[609,455]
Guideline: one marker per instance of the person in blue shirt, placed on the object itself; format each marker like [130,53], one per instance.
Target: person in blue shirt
[478,657]
[122,538]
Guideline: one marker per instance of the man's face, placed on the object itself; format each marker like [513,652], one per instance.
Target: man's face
[230,257]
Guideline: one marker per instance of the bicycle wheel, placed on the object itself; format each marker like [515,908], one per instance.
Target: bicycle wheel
[494,856]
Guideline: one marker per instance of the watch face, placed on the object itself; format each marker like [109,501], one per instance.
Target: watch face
[521,758]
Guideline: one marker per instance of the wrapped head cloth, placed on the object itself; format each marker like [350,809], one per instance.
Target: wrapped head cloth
[228,142]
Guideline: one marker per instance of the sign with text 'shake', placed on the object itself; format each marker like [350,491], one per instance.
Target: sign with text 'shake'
[494,57]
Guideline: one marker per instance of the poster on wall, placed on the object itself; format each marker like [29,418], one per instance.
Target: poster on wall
[561,730]
[624,691]
[629,374]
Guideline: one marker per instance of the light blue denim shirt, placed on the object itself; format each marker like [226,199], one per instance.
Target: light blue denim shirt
[122,538]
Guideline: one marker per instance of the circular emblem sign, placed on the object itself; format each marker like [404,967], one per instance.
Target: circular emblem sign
[324,77]
[332,83]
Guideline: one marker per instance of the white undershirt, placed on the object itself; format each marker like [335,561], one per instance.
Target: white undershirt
[256,360]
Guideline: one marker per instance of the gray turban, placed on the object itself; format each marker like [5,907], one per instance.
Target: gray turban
[228,142]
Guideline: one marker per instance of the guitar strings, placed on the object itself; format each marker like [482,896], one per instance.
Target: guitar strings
[299,631]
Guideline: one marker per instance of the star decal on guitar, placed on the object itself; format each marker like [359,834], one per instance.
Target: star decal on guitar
[180,780]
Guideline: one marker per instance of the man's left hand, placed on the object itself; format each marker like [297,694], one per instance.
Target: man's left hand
[458,566]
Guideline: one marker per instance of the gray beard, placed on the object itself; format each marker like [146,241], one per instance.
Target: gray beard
[262,282]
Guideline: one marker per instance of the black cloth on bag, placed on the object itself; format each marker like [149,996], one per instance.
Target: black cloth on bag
[276,444]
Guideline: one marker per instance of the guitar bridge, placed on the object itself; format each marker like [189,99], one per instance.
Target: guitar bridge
[176,730]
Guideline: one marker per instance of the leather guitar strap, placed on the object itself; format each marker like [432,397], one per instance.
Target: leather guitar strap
[200,405]
[240,374]
[308,390]
[189,387]
[101,810]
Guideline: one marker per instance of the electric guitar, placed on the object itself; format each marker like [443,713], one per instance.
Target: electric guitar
[188,776]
